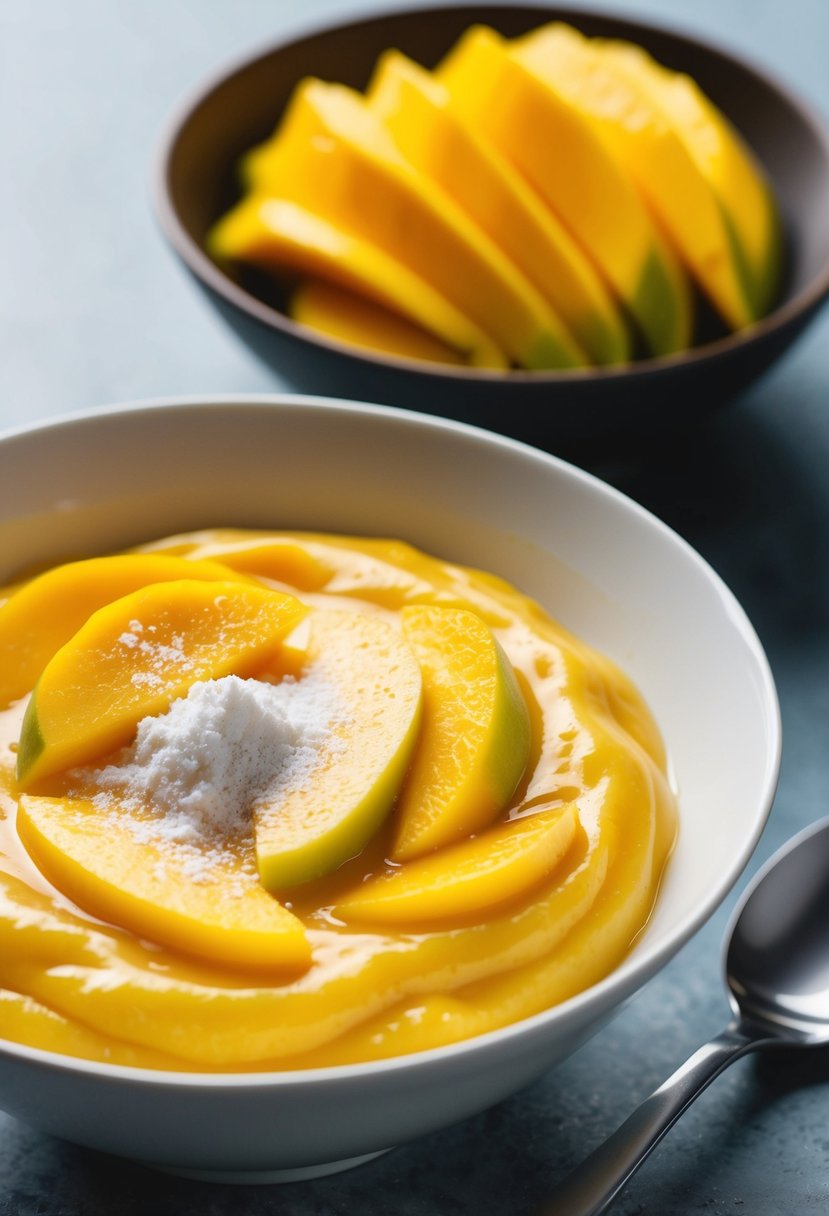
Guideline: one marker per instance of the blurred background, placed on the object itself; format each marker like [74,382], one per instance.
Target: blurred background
[95,309]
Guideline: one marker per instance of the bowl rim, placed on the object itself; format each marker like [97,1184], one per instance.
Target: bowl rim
[205,269]
[636,969]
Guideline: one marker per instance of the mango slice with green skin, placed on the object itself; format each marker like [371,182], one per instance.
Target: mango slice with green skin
[325,816]
[281,234]
[332,155]
[43,614]
[417,110]
[555,149]
[626,115]
[93,857]
[725,161]
[468,878]
[135,656]
[360,322]
[475,740]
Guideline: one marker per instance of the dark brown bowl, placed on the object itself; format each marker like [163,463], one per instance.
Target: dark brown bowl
[197,182]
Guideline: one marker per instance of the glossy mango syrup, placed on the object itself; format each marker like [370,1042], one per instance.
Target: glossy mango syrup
[73,984]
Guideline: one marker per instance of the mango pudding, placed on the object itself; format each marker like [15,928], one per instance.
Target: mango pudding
[292,800]
[550,202]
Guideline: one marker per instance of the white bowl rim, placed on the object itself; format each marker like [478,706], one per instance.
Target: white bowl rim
[633,972]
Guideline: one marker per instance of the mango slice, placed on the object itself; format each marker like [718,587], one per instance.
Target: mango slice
[468,878]
[279,233]
[350,318]
[725,161]
[475,740]
[151,889]
[497,89]
[32,629]
[627,116]
[135,656]
[417,111]
[325,816]
[333,156]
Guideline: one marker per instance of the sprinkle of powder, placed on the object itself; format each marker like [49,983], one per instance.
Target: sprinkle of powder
[158,655]
[200,767]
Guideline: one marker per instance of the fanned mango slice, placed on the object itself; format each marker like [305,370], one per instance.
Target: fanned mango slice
[43,614]
[626,115]
[417,110]
[281,234]
[468,878]
[725,161]
[325,816]
[284,559]
[551,144]
[475,740]
[219,911]
[333,156]
[135,656]
[351,318]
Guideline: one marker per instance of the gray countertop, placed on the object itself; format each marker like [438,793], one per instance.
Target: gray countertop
[95,310]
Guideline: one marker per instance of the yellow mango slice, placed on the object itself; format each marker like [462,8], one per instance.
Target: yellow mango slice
[725,161]
[326,815]
[627,117]
[333,156]
[135,656]
[202,1015]
[153,889]
[282,559]
[417,110]
[468,878]
[42,615]
[281,234]
[350,318]
[532,124]
[475,739]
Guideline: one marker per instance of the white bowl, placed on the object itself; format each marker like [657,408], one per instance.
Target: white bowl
[598,562]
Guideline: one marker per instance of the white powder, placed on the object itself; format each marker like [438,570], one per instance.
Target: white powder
[200,767]
[157,655]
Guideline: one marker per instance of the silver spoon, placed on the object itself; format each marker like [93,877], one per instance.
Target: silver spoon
[776,964]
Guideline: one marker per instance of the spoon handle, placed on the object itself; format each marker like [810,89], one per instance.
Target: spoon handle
[594,1184]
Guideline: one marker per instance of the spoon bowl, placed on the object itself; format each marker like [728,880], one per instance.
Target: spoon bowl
[776,962]
[777,950]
